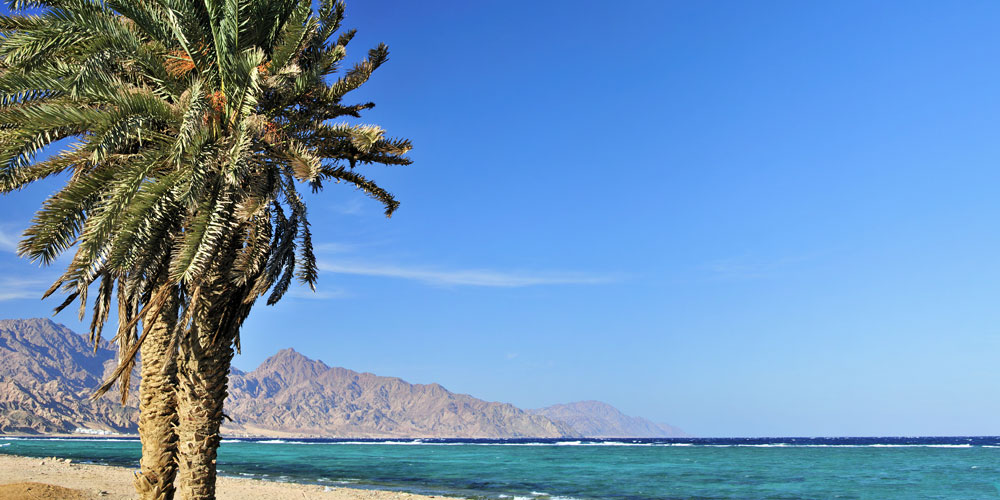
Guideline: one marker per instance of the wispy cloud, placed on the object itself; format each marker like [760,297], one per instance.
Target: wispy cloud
[353,206]
[8,241]
[736,269]
[335,247]
[320,294]
[467,277]
[17,288]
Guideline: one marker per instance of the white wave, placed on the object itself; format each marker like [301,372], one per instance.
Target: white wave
[919,446]
[633,444]
[769,445]
[622,444]
[398,443]
[829,445]
[877,445]
[565,443]
[547,496]
[419,442]
[602,443]
[518,444]
[77,439]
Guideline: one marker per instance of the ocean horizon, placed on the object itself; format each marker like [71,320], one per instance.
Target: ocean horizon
[964,467]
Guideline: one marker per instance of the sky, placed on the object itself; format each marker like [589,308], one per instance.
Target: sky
[739,218]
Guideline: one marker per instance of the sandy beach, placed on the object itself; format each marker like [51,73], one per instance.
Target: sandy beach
[24,478]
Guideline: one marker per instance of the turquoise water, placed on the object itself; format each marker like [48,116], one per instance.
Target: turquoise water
[884,469]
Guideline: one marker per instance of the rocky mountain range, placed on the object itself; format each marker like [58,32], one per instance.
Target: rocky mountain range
[48,372]
[601,420]
[291,394]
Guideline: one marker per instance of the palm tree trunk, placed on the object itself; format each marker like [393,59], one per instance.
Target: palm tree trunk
[203,377]
[158,408]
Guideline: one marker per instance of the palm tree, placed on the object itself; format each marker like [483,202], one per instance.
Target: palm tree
[196,122]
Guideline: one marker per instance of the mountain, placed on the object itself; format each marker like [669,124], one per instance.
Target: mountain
[290,394]
[597,419]
[47,374]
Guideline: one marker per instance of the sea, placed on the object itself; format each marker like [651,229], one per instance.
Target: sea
[589,469]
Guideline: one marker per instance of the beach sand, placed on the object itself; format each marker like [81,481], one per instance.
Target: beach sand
[23,478]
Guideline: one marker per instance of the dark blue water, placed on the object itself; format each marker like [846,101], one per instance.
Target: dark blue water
[640,469]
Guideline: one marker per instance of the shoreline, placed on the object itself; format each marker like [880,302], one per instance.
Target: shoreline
[108,482]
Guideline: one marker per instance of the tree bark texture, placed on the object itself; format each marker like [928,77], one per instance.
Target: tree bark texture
[158,408]
[203,377]
[217,309]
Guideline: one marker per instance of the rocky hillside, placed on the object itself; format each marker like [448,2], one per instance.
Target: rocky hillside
[47,374]
[294,395]
[597,419]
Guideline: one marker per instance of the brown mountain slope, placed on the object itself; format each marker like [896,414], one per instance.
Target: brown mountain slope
[294,395]
[47,374]
[597,419]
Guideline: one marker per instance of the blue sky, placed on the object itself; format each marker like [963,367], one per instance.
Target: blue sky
[740,218]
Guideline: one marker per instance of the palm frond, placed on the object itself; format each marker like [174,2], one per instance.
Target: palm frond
[196,123]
